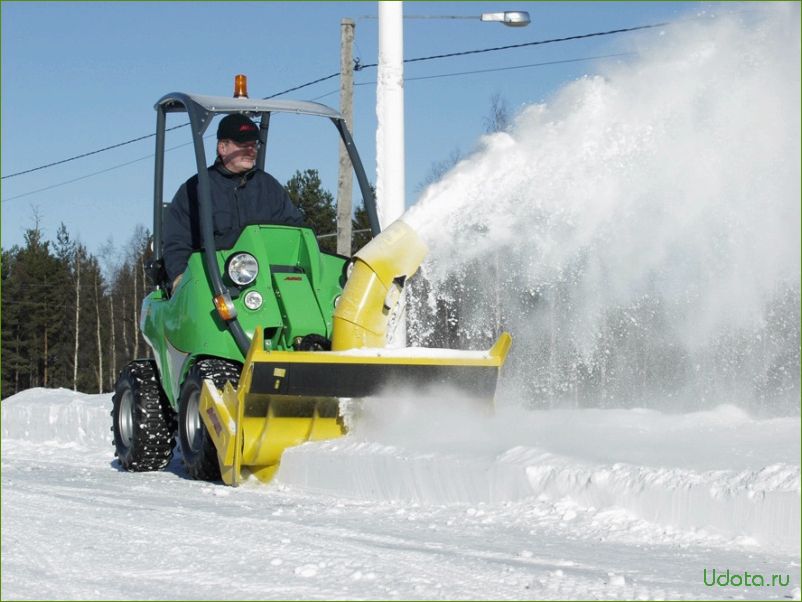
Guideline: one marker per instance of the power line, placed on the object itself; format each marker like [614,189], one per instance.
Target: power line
[543,64]
[132,140]
[358,67]
[490,70]
[94,152]
[317,81]
[423,77]
[525,44]
[89,175]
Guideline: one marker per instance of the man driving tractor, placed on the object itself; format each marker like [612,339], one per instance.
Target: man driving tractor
[242,194]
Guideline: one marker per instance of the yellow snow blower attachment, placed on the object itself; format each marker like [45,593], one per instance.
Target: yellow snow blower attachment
[286,398]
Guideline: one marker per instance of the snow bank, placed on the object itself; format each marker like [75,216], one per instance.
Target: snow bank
[761,505]
[58,416]
[720,473]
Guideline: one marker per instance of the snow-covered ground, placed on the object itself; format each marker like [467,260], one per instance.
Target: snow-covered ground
[423,500]
[648,221]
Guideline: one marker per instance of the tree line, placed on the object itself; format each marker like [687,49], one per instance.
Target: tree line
[70,317]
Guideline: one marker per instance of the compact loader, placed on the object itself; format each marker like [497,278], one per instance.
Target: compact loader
[258,343]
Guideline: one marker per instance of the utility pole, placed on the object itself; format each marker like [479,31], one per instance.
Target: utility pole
[345,179]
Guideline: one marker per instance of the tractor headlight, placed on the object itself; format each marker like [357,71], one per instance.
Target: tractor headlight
[253,300]
[242,268]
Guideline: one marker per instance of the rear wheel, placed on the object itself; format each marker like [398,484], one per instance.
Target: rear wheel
[142,420]
[200,456]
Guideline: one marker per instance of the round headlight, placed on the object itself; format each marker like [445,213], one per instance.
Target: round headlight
[253,300]
[242,268]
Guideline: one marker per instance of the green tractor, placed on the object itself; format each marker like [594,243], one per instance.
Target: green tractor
[258,343]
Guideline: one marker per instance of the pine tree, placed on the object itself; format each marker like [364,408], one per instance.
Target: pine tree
[93,314]
[33,305]
[317,204]
[14,364]
[63,368]
[360,229]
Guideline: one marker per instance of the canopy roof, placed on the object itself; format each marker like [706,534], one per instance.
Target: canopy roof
[176,102]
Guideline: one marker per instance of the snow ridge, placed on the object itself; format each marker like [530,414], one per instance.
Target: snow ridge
[757,507]
[538,459]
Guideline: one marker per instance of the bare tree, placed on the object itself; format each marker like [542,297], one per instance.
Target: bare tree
[498,120]
[78,255]
[113,351]
[45,360]
[141,261]
[136,250]
[124,327]
[439,169]
[134,306]
[111,268]
[99,339]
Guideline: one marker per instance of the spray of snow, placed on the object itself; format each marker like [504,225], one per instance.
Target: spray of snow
[641,226]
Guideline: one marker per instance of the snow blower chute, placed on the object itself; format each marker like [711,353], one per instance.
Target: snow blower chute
[248,364]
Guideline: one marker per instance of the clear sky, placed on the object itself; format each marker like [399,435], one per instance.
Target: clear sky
[80,76]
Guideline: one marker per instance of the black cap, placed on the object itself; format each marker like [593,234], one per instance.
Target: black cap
[237,127]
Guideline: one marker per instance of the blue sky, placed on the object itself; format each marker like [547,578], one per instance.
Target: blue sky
[79,76]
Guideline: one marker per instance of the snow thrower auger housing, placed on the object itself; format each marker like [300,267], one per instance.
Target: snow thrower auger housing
[250,361]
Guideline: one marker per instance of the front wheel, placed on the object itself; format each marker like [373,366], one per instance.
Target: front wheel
[142,420]
[197,447]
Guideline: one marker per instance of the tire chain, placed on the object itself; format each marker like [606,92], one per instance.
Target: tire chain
[219,372]
[154,417]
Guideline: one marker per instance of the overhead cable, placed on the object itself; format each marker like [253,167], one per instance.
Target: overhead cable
[489,70]
[359,67]
[523,45]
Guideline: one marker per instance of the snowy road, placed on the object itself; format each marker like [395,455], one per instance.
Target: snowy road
[638,233]
[524,506]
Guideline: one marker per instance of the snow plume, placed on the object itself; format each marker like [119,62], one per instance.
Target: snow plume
[639,234]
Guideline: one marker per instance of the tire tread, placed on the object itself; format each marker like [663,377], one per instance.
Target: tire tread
[154,421]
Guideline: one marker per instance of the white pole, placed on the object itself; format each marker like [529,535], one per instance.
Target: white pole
[390,113]
[390,194]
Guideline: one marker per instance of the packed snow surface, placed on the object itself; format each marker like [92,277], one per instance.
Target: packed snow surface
[649,226]
[424,499]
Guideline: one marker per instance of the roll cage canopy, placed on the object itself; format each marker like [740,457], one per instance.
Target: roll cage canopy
[176,102]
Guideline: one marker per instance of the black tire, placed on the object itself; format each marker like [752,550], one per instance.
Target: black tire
[143,422]
[197,448]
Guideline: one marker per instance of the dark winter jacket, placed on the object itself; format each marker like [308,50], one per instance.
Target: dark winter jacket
[238,200]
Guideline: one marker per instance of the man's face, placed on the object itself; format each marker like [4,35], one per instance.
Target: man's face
[237,157]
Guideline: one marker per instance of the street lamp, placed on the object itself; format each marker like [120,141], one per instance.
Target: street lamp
[510,18]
